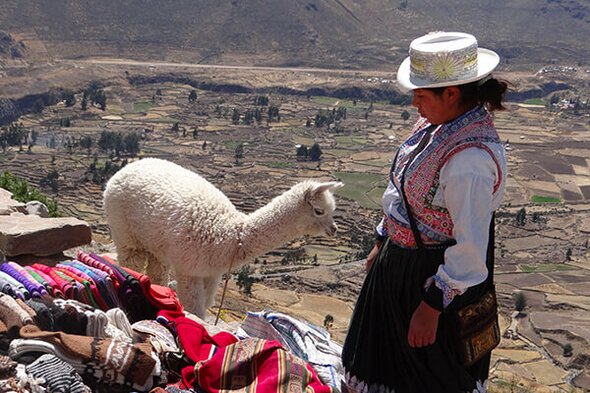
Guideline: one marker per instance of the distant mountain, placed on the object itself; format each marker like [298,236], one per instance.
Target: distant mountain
[321,33]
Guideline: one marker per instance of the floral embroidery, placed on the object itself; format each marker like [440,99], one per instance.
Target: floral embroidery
[475,128]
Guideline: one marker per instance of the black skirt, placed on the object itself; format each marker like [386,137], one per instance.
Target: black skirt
[376,354]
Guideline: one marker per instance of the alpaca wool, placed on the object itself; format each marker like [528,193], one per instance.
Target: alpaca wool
[107,360]
[69,320]
[95,262]
[37,277]
[59,376]
[130,293]
[119,319]
[24,306]
[195,341]
[96,281]
[29,382]
[88,285]
[162,298]
[257,366]
[44,318]
[18,287]
[48,281]
[12,315]
[22,275]
[176,220]
[160,337]
[103,282]
[6,288]
[7,367]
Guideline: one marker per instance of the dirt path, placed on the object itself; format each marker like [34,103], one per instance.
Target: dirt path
[154,64]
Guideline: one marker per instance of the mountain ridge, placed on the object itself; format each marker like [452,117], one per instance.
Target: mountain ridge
[329,33]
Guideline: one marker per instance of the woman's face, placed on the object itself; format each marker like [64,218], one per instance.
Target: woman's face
[430,105]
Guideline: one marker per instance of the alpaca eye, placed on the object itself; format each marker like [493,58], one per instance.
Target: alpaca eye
[318,211]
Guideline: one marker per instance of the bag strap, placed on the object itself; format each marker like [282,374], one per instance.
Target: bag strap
[415,152]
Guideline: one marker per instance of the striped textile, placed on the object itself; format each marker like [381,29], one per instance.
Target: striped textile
[257,366]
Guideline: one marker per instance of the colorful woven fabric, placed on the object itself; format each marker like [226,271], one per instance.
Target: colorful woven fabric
[473,129]
[193,338]
[40,288]
[58,375]
[257,366]
[62,285]
[106,360]
[32,288]
[162,298]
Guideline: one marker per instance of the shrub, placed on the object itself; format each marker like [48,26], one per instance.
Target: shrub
[519,300]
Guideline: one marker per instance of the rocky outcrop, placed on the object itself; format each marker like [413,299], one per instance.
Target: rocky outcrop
[24,233]
[29,234]
[9,205]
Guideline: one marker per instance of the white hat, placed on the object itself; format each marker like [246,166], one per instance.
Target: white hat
[445,59]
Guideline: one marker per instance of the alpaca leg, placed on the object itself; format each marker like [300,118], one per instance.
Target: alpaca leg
[132,258]
[129,253]
[157,270]
[191,293]
[210,285]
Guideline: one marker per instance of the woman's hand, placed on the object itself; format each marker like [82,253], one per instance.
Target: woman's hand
[423,325]
[372,255]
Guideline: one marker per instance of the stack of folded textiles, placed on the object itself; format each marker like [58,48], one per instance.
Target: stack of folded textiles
[91,325]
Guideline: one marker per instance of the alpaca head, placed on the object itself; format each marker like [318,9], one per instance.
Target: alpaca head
[317,217]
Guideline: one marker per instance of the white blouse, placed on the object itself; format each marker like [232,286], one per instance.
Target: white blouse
[466,191]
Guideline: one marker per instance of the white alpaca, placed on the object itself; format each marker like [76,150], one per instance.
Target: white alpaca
[162,215]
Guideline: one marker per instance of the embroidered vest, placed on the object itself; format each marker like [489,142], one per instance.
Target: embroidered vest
[473,129]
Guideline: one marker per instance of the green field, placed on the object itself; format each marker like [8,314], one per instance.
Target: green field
[142,106]
[544,199]
[534,101]
[364,188]
[545,267]
[350,141]
[279,164]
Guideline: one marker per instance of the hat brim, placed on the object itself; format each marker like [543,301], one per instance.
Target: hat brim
[487,61]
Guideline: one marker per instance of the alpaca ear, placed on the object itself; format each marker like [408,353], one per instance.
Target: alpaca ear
[318,188]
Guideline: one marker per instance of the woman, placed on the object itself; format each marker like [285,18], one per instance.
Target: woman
[451,172]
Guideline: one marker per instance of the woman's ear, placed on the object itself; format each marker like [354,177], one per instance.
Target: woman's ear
[452,94]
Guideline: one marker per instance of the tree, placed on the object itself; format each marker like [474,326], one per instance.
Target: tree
[235,117]
[315,153]
[34,136]
[273,113]
[192,97]
[244,279]
[405,115]
[328,321]
[84,103]
[86,142]
[69,98]
[521,217]
[50,180]
[568,350]
[519,300]
[261,100]
[131,143]
[568,254]
[239,153]
[302,152]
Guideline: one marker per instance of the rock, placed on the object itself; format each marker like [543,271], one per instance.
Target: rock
[38,209]
[9,205]
[35,235]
